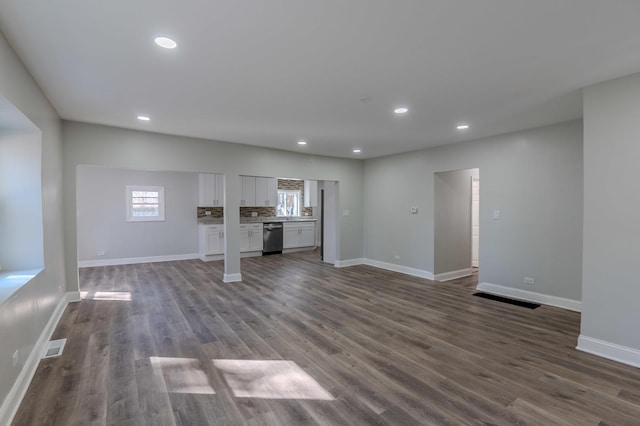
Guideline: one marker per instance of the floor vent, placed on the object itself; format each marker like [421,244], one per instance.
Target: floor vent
[515,302]
[54,348]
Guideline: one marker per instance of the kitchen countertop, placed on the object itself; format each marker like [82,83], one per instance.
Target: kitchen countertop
[243,220]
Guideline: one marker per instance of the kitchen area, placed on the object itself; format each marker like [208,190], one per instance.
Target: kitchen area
[277,216]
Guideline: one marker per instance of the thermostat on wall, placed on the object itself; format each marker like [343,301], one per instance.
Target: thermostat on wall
[414,210]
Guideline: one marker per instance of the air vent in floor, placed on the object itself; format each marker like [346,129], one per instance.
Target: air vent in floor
[515,302]
[54,348]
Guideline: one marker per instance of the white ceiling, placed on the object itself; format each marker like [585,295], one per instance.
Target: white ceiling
[269,72]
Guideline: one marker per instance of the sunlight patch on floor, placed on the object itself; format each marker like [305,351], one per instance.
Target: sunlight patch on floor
[270,379]
[118,296]
[182,375]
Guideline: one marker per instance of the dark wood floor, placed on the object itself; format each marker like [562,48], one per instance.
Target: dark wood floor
[300,342]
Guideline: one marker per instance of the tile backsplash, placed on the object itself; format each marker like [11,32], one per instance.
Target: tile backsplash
[262,211]
[216,212]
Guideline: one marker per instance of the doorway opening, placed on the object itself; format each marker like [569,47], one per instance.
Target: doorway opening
[456,223]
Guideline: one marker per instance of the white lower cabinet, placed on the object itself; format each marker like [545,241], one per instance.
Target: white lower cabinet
[250,237]
[211,239]
[299,234]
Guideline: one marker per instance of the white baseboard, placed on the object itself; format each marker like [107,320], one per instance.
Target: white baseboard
[612,351]
[399,268]
[211,257]
[12,402]
[232,278]
[133,260]
[384,265]
[297,249]
[529,296]
[349,262]
[447,276]
[250,254]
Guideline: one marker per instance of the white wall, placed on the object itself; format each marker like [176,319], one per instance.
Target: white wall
[88,144]
[102,224]
[452,222]
[611,289]
[24,316]
[534,177]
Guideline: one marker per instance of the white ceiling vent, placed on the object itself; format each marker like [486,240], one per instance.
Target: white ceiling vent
[54,348]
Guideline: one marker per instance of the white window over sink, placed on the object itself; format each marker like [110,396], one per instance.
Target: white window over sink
[145,203]
[288,203]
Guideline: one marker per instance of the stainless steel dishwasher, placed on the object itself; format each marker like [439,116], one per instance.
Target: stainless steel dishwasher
[272,238]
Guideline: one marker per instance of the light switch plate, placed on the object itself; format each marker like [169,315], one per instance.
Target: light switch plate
[496,215]
[414,210]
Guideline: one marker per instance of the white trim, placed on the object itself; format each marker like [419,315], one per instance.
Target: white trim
[13,399]
[133,260]
[529,296]
[349,262]
[612,351]
[447,276]
[250,254]
[297,249]
[232,278]
[384,265]
[210,257]
[399,268]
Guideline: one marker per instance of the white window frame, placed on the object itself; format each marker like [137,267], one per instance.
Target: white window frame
[300,202]
[130,213]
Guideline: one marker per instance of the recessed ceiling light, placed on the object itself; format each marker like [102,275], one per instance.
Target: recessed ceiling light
[143,118]
[165,42]
[302,142]
[462,126]
[401,110]
[357,151]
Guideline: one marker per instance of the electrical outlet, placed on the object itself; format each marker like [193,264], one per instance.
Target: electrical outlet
[529,280]
[101,253]
[16,357]
[207,212]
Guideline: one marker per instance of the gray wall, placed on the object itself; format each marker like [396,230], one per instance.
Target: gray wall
[452,220]
[88,144]
[534,177]
[21,236]
[102,224]
[611,292]
[23,317]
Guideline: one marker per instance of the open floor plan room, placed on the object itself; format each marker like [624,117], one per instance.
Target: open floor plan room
[301,342]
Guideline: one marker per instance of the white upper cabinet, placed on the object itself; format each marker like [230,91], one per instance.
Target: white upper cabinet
[248,197]
[210,190]
[259,191]
[266,192]
[310,193]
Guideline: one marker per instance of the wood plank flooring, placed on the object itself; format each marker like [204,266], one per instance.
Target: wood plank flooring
[301,342]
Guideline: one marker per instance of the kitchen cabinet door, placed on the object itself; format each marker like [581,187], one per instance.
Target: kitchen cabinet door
[272,192]
[307,235]
[248,198]
[210,190]
[266,192]
[256,237]
[245,238]
[215,241]
[310,193]
[218,192]
[290,237]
